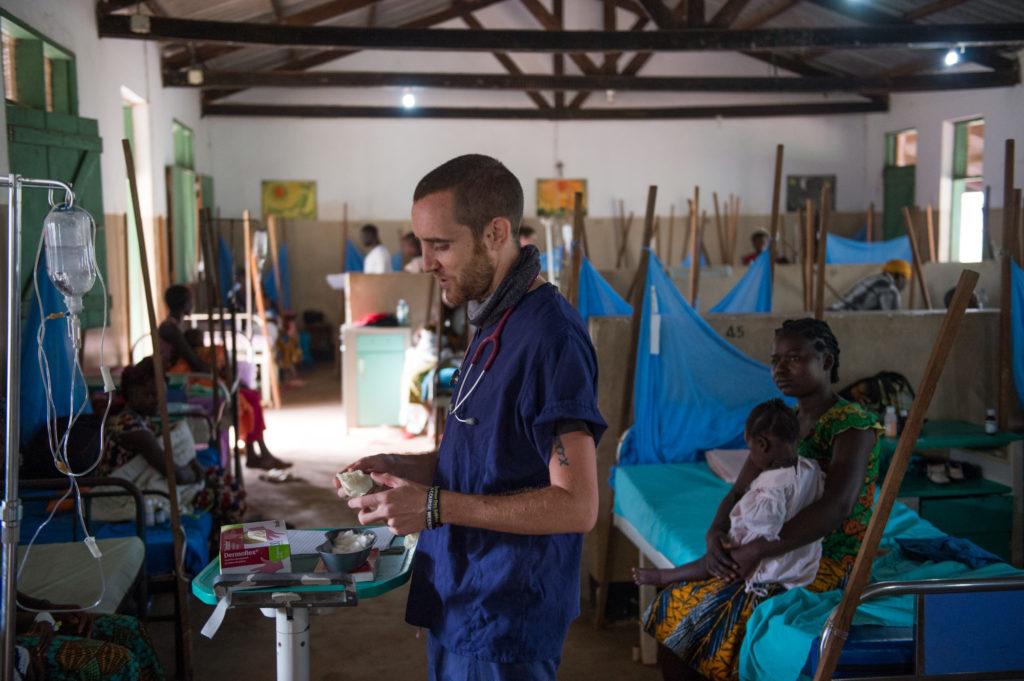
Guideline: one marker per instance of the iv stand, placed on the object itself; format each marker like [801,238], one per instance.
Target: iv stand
[11,509]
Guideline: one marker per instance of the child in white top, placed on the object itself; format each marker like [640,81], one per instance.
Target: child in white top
[787,483]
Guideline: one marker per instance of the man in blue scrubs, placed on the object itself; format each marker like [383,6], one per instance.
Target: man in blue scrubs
[504,503]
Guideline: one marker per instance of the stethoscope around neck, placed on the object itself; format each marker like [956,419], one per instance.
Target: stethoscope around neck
[493,339]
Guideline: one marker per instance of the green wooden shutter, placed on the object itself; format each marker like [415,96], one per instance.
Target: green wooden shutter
[898,192]
[183,224]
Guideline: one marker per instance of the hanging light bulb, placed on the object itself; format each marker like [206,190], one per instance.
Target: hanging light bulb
[408,100]
[952,58]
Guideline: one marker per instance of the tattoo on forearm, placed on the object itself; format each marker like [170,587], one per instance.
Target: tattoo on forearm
[563,460]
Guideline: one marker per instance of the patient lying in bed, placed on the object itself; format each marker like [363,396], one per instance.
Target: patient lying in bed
[787,483]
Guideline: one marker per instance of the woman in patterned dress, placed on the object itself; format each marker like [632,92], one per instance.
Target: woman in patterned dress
[844,439]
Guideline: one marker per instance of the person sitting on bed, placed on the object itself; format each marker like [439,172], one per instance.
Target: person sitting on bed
[172,341]
[131,440]
[844,439]
[785,484]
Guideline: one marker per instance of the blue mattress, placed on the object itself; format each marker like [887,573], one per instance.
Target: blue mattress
[672,505]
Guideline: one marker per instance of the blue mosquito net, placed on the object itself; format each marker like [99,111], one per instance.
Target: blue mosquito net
[693,390]
[225,269]
[396,262]
[1017,322]
[689,258]
[284,300]
[752,293]
[596,297]
[60,355]
[353,258]
[842,251]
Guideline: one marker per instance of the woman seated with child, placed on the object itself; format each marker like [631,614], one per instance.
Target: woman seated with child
[778,518]
[132,439]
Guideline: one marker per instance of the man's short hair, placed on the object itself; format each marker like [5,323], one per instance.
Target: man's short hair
[370,229]
[482,187]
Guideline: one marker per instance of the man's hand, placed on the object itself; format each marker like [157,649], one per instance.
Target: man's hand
[416,467]
[402,505]
[717,560]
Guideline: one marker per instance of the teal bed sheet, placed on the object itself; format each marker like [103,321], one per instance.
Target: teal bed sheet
[672,505]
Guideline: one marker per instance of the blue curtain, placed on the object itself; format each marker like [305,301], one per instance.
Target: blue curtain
[841,251]
[693,390]
[1017,321]
[226,269]
[752,293]
[60,355]
[353,258]
[396,262]
[283,301]
[597,298]
[689,258]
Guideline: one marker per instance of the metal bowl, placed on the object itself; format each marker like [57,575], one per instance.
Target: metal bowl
[344,562]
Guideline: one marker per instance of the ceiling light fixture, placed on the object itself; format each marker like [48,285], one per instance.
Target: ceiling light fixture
[952,58]
[408,100]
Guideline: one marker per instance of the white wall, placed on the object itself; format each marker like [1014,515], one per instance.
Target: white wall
[103,67]
[375,164]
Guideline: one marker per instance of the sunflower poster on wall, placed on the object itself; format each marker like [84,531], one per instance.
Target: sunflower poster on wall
[557,196]
[289,198]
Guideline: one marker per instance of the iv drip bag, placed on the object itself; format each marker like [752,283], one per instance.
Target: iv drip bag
[260,248]
[67,231]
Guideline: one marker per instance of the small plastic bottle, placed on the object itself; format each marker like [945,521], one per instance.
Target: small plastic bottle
[991,426]
[901,423]
[402,312]
[160,516]
[891,422]
[150,512]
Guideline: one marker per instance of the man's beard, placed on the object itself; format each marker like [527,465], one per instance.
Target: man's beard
[474,282]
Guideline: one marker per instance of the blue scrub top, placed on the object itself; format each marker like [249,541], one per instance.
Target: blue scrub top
[496,596]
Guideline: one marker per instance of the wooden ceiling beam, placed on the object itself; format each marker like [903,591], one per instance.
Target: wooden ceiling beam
[880,20]
[327,56]
[550,23]
[626,81]
[661,15]
[914,36]
[508,63]
[931,8]
[694,112]
[765,15]
[728,13]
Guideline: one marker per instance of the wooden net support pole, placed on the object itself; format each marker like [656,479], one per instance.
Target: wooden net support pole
[627,224]
[209,272]
[671,235]
[694,244]
[776,192]
[719,230]
[698,251]
[808,255]
[1005,399]
[703,230]
[274,262]
[261,310]
[871,223]
[842,616]
[577,249]
[930,224]
[916,253]
[656,241]
[1020,226]
[183,630]
[819,298]
[636,299]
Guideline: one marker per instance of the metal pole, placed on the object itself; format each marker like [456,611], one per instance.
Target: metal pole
[12,505]
[11,510]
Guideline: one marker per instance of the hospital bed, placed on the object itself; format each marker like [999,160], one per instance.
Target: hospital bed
[665,510]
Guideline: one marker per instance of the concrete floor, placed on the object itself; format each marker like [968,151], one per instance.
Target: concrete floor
[372,641]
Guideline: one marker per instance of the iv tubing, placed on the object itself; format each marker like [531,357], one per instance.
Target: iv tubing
[10,513]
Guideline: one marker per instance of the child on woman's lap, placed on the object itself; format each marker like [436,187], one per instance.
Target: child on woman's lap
[786,484]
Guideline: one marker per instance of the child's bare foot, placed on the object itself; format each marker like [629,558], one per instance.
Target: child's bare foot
[642,576]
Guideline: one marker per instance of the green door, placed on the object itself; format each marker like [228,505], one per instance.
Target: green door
[898,192]
[61,147]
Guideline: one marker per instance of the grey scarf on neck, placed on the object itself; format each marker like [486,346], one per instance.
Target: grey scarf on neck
[510,291]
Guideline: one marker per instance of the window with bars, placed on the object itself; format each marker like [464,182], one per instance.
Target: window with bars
[37,73]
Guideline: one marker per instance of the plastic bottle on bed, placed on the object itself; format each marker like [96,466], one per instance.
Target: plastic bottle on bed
[402,312]
[891,422]
[991,425]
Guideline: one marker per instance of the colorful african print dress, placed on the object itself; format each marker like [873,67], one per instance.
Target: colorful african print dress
[704,622]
